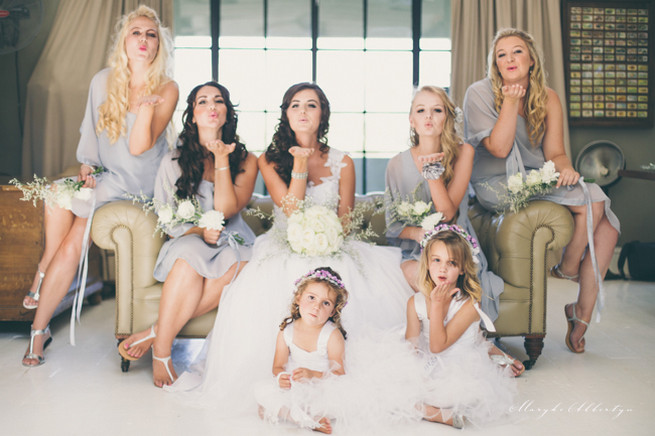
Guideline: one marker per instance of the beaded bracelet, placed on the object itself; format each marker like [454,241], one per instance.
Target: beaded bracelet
[299,176]
[432,170]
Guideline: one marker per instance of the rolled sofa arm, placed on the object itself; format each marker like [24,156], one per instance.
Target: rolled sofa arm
[125,228]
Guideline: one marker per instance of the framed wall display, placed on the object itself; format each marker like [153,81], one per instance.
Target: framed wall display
[608,57]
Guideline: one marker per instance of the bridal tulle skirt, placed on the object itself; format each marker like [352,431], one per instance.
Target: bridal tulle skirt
[239,351]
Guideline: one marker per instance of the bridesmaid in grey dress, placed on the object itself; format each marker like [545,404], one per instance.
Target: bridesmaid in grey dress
[434,137]
[515,123]
[129,107]
[211,165]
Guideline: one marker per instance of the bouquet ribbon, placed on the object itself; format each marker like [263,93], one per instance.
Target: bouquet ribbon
[600,300]
[82,272]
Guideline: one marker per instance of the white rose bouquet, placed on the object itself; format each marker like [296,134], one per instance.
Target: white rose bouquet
[314,231]
[414,213]
[520,190]
[58,193]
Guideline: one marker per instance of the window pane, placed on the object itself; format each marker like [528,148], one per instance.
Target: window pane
[193,41]
[283,69]
[289,18]
[243,72]
[251,130]
[191,17]
[341,75]
[242,18]
[389,19]
[435,68]
[388,81]
[346,132]
[192,67]
[386,132]
[341,24]
[435,19]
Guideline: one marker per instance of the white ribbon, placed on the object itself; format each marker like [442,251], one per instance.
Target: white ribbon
[488,323]
[600,300]
[82,271]
[232,242]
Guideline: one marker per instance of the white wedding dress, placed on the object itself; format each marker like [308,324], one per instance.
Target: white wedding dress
[239,350]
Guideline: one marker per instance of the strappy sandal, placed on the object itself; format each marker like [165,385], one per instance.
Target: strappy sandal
[35,295]
[505,360]
[558,274]
[165,361]
[571,321]
[123,351]
[31,354]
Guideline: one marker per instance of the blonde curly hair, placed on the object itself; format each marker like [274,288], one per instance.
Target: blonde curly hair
[460,252]
[113,111]
[450,137]
[536,95]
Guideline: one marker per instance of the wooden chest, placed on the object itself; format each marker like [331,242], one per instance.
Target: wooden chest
[21,246]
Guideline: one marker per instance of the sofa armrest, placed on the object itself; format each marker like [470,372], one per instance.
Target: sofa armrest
[125,228]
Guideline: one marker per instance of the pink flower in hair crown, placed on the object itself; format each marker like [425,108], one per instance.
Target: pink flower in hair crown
[470,240]
[321,274]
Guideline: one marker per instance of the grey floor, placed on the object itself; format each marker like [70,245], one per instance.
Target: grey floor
[610,389]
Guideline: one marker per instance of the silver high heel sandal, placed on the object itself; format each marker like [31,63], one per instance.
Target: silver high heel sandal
[35,295]
[30,354]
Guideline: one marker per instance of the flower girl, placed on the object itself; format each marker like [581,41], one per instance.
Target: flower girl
[443,323]
[310,346]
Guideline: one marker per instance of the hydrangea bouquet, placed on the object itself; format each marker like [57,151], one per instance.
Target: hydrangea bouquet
[59,193]
[414,212]
[315,231]
[520,190]
[182,211]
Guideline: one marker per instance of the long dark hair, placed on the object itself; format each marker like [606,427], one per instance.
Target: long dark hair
[284,138]
[191,154]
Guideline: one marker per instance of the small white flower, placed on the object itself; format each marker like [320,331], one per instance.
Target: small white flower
[165,214]
[83,194]
[533,178]
[212,219]
[548,173]
[404,208]
[430,221]
[420,208]
[515,183]
[186,210]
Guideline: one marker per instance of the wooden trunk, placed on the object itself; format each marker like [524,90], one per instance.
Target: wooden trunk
[21,246]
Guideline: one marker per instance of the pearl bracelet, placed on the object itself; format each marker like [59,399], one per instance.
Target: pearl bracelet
[299,176]
[222,168]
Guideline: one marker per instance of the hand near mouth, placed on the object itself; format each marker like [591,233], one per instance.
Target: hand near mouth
[301,152]
[219,148]
[513,92]
[149,100]
[428,158]
[442,294]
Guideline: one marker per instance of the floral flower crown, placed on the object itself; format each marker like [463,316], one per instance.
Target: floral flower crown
[321,274]
[470,240]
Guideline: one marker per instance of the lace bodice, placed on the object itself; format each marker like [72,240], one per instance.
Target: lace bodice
[325,193]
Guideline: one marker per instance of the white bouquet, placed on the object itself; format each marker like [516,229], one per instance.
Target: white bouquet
[521,189]
[314,231]
[59,193]
[415,213]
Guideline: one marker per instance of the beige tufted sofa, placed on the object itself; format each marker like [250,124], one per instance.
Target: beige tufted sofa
[515,244]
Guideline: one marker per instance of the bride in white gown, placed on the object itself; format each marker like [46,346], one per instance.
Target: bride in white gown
[298,164]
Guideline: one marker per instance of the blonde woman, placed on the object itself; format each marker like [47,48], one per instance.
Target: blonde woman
[129,107]
[515,122]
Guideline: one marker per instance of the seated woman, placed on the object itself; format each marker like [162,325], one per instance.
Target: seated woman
[212,166]
[515,123]
[130,105]
[436,145]
[298,165]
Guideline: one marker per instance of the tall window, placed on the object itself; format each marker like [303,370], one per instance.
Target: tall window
[367,55]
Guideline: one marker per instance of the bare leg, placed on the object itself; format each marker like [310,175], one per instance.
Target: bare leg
[605,237]
[60,273]
[574,251]
[57,224]
[410,271]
